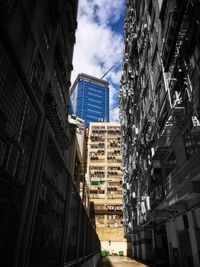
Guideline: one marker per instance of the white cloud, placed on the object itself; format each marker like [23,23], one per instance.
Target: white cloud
[98,47]
[115,114]
[102,11]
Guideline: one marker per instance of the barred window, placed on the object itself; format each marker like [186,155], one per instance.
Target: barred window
[19,120]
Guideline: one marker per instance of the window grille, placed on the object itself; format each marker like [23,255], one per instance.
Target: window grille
[19,121]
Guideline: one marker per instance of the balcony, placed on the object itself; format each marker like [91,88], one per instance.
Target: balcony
[173,27]
[97,196]
[95,176]
[156,196]
[96,146]
[60,55]
[175,120]
[56,119]
[97,161]
[170,123]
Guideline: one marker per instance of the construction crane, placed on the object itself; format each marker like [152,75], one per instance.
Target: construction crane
[107,72]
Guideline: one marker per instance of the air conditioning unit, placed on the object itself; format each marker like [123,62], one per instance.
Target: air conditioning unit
[133,194]
[179,111]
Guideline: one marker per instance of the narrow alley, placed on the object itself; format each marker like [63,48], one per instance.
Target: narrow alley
[116,261]
[100,133]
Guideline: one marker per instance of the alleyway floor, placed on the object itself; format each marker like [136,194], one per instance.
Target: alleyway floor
[117,261]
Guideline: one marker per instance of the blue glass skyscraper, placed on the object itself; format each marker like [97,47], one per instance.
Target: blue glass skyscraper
[90,98]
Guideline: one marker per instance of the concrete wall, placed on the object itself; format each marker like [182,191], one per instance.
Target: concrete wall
[142,246]
[93,262]
[113,234]
[115,247]
[183,240]
[183,235]
[116,236]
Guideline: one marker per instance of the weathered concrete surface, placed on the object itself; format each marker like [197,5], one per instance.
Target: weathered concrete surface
[117,261]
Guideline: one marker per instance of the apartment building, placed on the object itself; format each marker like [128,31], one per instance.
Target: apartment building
[90,98]
[42,216]
[105,178]
[160,117]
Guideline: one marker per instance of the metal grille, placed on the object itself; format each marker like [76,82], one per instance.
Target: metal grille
[73,226]
[48,232]
[49,226]
[18,120]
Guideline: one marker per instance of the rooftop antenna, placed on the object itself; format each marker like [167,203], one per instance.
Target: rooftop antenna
[107,72]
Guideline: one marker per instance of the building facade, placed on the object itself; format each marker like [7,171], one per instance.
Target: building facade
[160,117]
[105,176]
[77,155]
[90,99]
[42,216]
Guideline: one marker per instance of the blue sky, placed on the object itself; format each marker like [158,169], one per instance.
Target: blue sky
[99,44]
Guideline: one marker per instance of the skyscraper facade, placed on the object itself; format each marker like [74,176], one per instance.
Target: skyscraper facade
[160,117]
[90,99]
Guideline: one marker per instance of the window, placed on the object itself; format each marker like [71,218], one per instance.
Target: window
[95,95]
[98,183]
[192,143]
